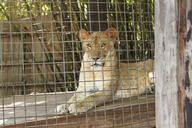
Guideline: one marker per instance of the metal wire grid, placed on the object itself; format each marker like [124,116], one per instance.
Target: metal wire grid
[41,56]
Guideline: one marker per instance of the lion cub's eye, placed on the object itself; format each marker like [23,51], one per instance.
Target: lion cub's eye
[103,45]
[89,46]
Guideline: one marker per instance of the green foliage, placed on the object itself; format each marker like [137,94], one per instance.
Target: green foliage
[17,9]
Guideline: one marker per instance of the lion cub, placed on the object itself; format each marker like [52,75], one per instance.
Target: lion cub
[101,75]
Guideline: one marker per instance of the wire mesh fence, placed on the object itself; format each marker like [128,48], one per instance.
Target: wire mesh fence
[76,63]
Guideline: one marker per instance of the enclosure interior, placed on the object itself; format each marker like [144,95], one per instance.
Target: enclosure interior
[41,54]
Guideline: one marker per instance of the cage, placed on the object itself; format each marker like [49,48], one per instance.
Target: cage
[45,48]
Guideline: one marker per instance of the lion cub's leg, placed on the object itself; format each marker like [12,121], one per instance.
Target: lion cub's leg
[83,101]
[90,101]
[79,103]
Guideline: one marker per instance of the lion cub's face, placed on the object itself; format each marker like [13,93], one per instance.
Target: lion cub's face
[98,45]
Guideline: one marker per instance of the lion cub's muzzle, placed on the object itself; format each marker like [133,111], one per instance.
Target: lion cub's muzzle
[97,62]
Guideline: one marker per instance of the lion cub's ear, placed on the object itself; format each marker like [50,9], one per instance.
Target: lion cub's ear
[83,35]
[112,33]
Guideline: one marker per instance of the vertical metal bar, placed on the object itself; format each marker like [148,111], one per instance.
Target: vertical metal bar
[22,66]
[1,72]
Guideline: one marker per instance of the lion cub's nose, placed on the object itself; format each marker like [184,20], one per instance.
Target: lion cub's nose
[95,58]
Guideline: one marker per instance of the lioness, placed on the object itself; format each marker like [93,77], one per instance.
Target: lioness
[101,74]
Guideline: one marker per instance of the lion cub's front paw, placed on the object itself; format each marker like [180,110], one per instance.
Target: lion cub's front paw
[72,109]
[62,109]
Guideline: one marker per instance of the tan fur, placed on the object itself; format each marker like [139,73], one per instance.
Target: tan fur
[135,78]
[101,75]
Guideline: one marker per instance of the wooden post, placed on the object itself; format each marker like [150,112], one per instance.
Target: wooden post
[173,63]
[166,63]
[181,62]
[185,62]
